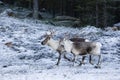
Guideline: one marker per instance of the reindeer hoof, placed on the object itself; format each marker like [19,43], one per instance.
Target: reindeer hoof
[80,64]
[57,64]
[72,60]
[83,63]
[91,63]
[97,67]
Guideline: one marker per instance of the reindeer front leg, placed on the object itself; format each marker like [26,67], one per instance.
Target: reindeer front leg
[75,57]
[66,58]
[59,58]
[70,59]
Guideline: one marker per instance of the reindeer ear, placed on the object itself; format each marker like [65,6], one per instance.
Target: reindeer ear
[48,33]
[76,36]
[61,39]
[67,35]
[52,32]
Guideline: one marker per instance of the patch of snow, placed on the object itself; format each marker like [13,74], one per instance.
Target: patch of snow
[27,59]
[117,24]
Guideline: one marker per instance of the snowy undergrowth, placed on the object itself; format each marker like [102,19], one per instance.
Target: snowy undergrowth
[27,59]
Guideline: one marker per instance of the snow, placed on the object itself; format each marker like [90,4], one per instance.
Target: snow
[27,59]
[117,24]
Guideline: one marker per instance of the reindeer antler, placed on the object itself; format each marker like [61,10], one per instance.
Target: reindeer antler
[50,33]
[67,35]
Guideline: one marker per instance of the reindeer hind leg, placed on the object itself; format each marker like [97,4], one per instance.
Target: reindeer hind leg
[82,62]
[99,62]
[90,59]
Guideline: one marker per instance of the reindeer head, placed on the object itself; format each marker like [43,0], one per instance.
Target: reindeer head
[66,43]
[47,36]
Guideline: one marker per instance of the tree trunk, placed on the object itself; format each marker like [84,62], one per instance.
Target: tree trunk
[29,4]
[105,14]
[35,9]
[52,7]
[97,21]
[61,7]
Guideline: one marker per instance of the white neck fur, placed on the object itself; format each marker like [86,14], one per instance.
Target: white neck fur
[53,43]
[67,45]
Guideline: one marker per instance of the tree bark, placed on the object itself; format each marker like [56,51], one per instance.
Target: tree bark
[97,21]
[35,9]
[105,14]
[30,4]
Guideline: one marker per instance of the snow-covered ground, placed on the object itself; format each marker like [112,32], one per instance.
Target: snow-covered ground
[27,59]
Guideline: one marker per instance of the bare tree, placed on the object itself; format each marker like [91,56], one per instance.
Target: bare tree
[35,9]
[30,4]
[97,21]
[105,14]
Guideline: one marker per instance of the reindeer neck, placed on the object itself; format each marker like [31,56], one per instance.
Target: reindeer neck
[68,45]
[53,43]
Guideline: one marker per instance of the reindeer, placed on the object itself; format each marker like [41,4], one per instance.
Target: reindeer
[77,39]
[83,48]
[56,45]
